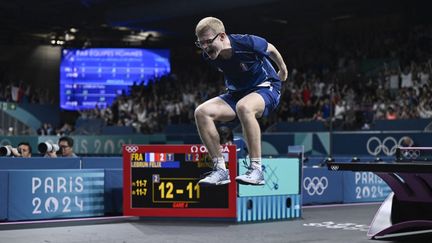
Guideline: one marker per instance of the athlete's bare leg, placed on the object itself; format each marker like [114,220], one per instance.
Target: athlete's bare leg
[249,108]
[206,114]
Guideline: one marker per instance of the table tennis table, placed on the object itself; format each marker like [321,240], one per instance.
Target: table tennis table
[408,209]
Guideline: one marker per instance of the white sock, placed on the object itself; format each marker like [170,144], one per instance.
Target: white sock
[219,162]
[256,163]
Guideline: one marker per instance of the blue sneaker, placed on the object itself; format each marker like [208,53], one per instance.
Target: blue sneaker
[215,178]
[252,177]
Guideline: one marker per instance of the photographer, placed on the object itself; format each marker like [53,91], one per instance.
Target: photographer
[65,145]
[23,150]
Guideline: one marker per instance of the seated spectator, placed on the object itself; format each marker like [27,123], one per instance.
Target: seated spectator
[65,130]
[318,116]
[391,114]
[45,130]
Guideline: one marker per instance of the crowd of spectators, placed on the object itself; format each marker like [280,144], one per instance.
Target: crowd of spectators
[360,78]
[47,129]
[386,75]
[352,78]
[22,92]
[168,100]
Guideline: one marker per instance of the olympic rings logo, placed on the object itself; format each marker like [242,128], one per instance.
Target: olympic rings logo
[132,149]
[388,146]
[411,154]
[334,167]
[315,185]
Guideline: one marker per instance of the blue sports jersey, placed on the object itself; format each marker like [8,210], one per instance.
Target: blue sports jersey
[249,65]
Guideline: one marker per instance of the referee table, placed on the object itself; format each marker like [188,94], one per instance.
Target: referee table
[408,209]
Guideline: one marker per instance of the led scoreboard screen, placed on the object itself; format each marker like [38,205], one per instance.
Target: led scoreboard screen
[162,181]
[96,76]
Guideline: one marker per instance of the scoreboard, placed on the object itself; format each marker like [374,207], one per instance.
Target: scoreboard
[162,181]
[96,76]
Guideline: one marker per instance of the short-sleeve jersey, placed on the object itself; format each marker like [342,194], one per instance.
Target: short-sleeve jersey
[249,65]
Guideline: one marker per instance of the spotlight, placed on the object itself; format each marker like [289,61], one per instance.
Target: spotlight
[378,159]
[355,159]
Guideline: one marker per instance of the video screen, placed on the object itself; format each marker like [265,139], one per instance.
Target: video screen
[95,76]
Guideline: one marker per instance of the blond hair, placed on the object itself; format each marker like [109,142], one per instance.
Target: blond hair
[209,23]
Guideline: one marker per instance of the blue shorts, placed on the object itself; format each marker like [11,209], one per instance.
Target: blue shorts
[271,96]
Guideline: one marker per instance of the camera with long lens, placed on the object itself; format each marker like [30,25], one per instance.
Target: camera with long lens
[47,147]
[8,151]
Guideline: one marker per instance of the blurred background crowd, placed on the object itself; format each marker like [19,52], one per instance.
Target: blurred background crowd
[350,72]
[360,77]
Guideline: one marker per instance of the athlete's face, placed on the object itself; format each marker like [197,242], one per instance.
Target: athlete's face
[211,43]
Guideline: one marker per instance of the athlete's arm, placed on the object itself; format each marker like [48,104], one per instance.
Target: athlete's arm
[276,57]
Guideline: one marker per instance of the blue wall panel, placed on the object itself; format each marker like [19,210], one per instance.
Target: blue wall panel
[364,187]
[46,194]
[102,162]
[113,191]
[3,194]
[320,186]
[38,163]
